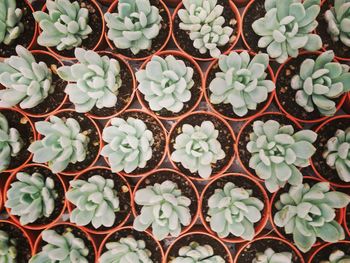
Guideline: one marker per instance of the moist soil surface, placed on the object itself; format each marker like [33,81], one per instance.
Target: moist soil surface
[323,255]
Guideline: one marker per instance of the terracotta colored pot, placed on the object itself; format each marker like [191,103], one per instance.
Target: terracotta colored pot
[344,243]
[347,229]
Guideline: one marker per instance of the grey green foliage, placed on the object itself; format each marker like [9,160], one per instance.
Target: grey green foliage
[8,250]
[337,256]
[11,26]
[270,256]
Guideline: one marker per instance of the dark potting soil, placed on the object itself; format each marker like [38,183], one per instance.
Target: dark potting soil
[347,216]
[225,138]
[183,37]
[323,255]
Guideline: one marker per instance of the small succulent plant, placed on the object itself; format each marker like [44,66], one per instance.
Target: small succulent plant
[11,26]
[61,248]
[337,256]
[241,82]
[8,250]
[232,209]
[277,152]
[65,26]
[164,207]
[197,148]
[165,83]
[96,201]
[127,249]
[135,25]
[96,80]
[270,256]
[27,82]
[11,143]
[31,197]
[308,212]
[204,21]
[64,143]
[338,19]
[320,81]
[129,144]
[287,26]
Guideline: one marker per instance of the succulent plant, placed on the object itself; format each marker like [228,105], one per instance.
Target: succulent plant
[164,207]
[64,143]
[337,256]
[8,250]
[204,21]
[308,212]
[134,26]
[197,148]
[277,152]
[338,19]
[97,80]
[31,196]
[129,144]
[320,81]
[127,249]
[65,26]
[11,26]
[61,248]
[287,26]
[270,256]
[165,83]
[234,210]
[241,82]
[96,201]
[11,143]
[27,82]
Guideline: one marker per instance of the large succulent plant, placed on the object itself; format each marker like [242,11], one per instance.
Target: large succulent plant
[134,26]
[127,249]
[309,213]
[63,248]
[164,207]
[241,82]
[65,26]
[27,82]
[287,26]
[337,256]
[129,144]
[64,143]
[270,256]
[96,201]
[165,83]
[204,21]
[97,80]
[197,148]
[31,197]
[8,250]
[277,152]
[11,26]
[320,81]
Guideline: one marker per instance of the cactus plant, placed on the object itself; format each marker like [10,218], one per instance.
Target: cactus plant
[320,81]
[287,26]
[8,250]
[164,207]
[166,83]
[65,26]
[135,26]
[11,26]
[277,152]
[308,212]
[270,256]
[241,82]
[337,256]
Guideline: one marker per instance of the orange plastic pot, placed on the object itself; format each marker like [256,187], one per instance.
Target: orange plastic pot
[346,243]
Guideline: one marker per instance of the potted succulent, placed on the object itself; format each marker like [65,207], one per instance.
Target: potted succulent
[134,143]
[332,253]
[312,86]
[201,145]
[136,29]
[69,142]
[239,85]
[66,24]
[101,84]
[98,200]
[205,29]
[170,84]
[167,201]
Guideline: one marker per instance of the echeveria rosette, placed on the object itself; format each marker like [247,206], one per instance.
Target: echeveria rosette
[129,144]
[64,143]
[136,24]
[65,26]
[287,27]
[197,148]
[308,212]
[11,26]
[166,83]
[270,256]
[164,208]
[96,81]
[27,82]
[337,256]
[8,250]
[241,82]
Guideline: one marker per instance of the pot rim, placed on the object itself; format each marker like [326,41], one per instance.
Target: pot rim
[324,246]
[347,229]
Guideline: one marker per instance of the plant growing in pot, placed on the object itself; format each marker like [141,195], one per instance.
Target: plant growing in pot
[332,253]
